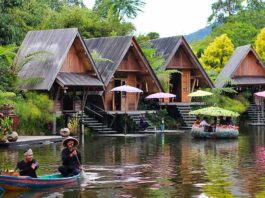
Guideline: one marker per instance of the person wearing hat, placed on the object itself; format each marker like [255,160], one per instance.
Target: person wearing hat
[71,158]
[28,166]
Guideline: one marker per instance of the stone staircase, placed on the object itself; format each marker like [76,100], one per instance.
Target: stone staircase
[97,126]
[188,120]
[136,119]
[254,114]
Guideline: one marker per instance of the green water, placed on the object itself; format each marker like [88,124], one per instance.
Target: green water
[158,166]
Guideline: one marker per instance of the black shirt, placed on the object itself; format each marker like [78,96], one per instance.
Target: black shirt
[25,168]
[70,162]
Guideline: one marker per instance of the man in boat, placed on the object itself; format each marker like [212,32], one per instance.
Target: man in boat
[205,124]
[71,158]
[28,166]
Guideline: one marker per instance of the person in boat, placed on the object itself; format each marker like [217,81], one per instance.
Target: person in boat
[229,121]
[71,158]
[205,124]
[222,121]
[214,124]
[197,121]
[28,166]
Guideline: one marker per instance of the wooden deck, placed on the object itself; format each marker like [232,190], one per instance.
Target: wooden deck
[30,140]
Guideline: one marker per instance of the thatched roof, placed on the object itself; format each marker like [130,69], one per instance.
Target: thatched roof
[54,46]
[233,63]
[115,49]
[167,48]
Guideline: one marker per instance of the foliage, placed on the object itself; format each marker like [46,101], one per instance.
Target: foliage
[34,111]
[217,54]
[239,104]
[98,58]
[156,63]
[260,44]
[222,9]
[5,126]
[73,125]
[120,8]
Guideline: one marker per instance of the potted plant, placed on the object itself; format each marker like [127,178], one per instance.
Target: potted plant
[5,128]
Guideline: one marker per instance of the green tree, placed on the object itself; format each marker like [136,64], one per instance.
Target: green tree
[223,9]
[255,4]
[260,44]
[122,8]
[217,54]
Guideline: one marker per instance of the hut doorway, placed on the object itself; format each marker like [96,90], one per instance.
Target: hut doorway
[119,100]
[68,103]
[175,88]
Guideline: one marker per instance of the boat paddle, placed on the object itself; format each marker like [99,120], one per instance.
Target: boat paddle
[82,172]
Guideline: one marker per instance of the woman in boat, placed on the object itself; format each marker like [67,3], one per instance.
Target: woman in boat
[205,124]
[71,158]
[197,121]
[28,166]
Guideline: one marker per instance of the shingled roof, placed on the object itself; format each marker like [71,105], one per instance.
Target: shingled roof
[233,63]
[114,49]
[56,43]
[167,48]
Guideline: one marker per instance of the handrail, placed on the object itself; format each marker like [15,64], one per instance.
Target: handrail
[102,110]
[94,112]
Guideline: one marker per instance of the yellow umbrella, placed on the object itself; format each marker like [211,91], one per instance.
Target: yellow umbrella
[214,111]
[200,93]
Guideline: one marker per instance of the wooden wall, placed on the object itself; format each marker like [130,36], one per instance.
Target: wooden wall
[131,71]
[250,67]
[186,85]
[76,61]
[180,60]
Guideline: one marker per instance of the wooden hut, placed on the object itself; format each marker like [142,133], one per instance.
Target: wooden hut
[122,62]
[62,66]
[189,74]
[244,70]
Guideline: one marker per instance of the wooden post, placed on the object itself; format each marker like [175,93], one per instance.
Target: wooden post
[54,112]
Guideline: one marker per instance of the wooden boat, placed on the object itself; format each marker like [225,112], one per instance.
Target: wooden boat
[22,183]
[220,132]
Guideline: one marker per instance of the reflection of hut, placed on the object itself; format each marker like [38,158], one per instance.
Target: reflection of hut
[123,63]
[65,70]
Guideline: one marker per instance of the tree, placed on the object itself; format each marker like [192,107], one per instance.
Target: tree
[217,54]
[223,9]
[260,44]
[255,4]
[122,8]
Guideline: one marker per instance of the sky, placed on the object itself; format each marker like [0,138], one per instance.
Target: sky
[170,17]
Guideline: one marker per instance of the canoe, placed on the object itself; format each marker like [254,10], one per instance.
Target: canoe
[220,133]
[22,183]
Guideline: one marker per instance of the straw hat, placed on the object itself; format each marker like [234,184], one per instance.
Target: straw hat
[28,152]
[65,141]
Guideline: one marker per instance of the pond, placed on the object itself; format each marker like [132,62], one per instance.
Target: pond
[161,165]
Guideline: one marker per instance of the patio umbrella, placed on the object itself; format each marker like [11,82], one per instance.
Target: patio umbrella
[160,95]
[262,95]
[214,111]
[200,93]
[127,89]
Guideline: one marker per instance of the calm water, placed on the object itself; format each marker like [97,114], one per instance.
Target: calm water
[158,166]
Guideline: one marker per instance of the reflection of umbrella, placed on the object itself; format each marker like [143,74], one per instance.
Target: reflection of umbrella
[161,95]
[127,89]
[200,93]
[214,111]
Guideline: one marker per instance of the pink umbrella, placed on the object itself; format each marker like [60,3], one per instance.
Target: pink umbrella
[160,95]
[260,94]
[127,88]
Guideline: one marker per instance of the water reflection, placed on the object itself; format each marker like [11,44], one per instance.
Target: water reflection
[162,165]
